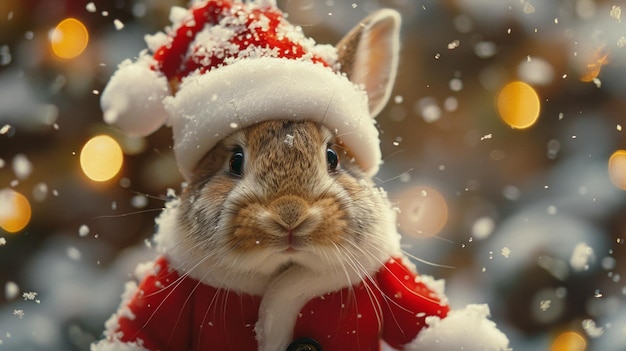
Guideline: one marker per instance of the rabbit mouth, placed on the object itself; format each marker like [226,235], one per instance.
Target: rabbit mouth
[287,225]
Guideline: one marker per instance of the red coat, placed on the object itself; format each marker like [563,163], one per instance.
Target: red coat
[170,312]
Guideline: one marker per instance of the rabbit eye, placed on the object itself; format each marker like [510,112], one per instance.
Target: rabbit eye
[332,159]
[235,164]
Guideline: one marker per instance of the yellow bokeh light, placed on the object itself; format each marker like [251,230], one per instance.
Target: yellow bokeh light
[599,58]
[69,38]
[15,211]
[423,211]
[617,168]
[518,105]
[101,158]
[569,341]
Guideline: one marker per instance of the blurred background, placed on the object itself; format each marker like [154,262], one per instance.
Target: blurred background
[503,148]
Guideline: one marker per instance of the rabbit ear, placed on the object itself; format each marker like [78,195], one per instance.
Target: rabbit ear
[368,54]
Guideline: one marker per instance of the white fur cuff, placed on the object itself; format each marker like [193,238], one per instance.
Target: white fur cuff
[116,345]
[467,329]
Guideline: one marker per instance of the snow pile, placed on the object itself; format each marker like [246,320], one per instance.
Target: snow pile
[467,329]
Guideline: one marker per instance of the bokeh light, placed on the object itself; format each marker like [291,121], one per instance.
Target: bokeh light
[15,211]
[617,168]
[101,158]
[599,58]
[518,105]
[569,341]
[423,211]
[69,38]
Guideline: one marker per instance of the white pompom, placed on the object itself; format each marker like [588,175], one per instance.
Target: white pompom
[132,100]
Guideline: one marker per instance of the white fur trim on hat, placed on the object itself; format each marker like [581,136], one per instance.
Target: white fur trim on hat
[132,100]
[210,106]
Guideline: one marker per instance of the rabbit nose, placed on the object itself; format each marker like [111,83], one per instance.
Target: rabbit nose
[290,210]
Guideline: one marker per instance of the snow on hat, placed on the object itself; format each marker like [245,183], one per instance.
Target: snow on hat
[224,65]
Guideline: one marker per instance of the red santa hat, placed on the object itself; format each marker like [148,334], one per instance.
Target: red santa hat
[224,65]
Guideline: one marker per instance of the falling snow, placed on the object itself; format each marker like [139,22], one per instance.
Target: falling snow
[482,228]
[616,12]
[74,253]
[91,7]
[40,192]
[485,49]
[454,44]
[528,8]
[544,305]
[289,140]
[118,24]
[593,330]
[581,257]
[455,84]
[30,296]
[22,166]
[11,290]
[139,201]
[440,121]
[428,108]
[83,230]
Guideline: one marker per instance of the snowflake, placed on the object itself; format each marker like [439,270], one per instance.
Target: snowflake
[30,296]
[544,305]
[289,140]
[18,313]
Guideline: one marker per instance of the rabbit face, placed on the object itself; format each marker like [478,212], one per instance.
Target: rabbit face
[282,193]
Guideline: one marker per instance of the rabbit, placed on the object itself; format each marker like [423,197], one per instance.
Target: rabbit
[280,239]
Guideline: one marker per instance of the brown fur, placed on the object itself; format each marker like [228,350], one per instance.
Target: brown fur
[287,198]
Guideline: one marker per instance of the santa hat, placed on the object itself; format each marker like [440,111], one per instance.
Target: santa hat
[224,65]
